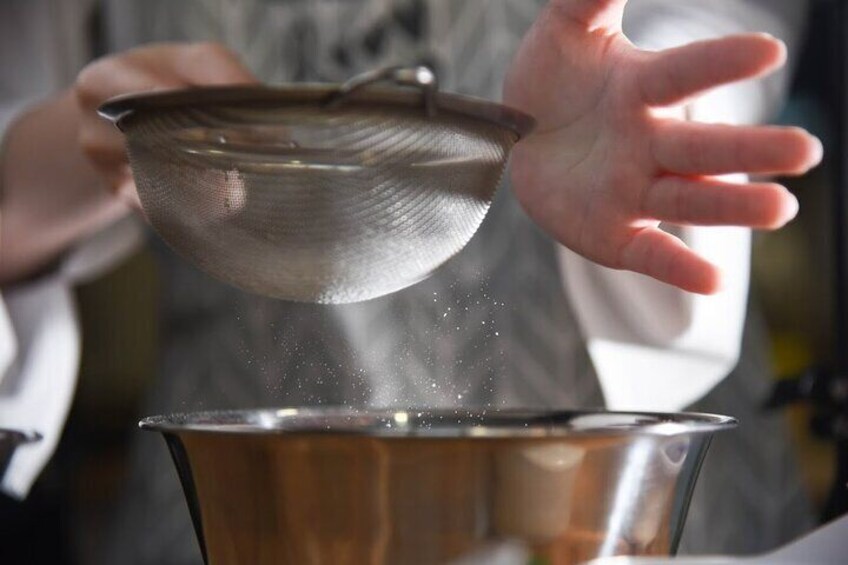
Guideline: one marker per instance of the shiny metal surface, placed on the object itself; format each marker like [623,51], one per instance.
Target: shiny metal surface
[318,193]
[341,486]
[9,441]
[827,545]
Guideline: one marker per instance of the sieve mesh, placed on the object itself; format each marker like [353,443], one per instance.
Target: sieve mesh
[302,202]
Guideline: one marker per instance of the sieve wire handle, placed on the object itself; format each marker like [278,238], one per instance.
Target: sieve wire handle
[421,77]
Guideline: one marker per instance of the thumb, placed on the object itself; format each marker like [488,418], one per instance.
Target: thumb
[592,14]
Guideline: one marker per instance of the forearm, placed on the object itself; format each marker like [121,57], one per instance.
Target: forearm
[51,195]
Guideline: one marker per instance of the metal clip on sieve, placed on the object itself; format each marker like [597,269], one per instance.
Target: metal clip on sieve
[420,76]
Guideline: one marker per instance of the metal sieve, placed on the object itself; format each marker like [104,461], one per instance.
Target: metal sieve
[316,192]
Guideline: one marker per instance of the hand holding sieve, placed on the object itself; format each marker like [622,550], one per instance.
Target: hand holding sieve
[318,192]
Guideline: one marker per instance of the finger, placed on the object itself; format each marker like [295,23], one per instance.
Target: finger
[211,64]
[666,258]
[116,172]
[200,64]
[117,176]
[110,162]
[709,202]
[105,156]
[708,149]
[159,67]
[107,78]
[670,77]
[591,13]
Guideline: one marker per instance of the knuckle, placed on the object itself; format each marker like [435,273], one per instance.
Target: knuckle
[203,50]
[772,207]
[679,206]
[87,141]
[694,150]
[672,83]
[95,147]
[98,80]
[647,206]
[92,147]
[717,206]
[88,82]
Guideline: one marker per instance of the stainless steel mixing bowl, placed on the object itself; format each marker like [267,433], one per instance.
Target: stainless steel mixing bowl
[342,486]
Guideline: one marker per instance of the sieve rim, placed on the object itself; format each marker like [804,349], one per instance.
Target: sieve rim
[120,108]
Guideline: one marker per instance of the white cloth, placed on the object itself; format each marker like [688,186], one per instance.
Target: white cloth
[40,348]
[654,347]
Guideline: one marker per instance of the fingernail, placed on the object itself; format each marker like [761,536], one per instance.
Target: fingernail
[792,207]
[771,37]
[818,150]
[784,50]
[781,45]
[720,284]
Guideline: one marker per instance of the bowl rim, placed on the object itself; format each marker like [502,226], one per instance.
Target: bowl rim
[121,108]
[451,423]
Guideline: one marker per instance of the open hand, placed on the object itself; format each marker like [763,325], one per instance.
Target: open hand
[604,167]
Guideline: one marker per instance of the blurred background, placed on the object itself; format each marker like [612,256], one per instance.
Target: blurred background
[794,274]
